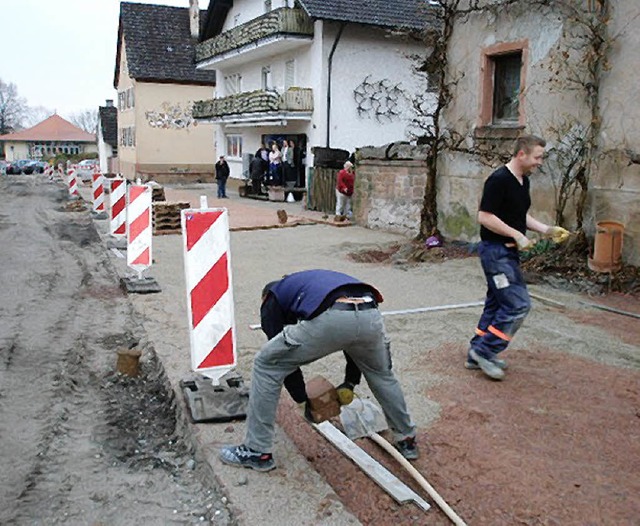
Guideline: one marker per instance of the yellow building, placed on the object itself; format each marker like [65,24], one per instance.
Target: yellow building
[157,83]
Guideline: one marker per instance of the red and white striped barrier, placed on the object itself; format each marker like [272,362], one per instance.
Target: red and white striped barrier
[118,216]
[98,192]
[207,262]
[139,235]
[72,182]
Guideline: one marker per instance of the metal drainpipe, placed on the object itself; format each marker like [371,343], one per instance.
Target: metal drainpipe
[329,66]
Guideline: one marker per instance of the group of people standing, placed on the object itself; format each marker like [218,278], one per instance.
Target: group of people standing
[275,166]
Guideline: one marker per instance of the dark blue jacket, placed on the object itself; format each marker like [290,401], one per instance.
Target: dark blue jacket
[301,294]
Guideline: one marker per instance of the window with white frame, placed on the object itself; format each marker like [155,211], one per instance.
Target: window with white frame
[289,74]
[233,83]
[266,77]
[234,146]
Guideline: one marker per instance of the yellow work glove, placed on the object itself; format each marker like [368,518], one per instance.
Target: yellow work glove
[345,393]
[524,243]
[558,234]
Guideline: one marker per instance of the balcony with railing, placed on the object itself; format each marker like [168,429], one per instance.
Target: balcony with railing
[255,106]
[277,31]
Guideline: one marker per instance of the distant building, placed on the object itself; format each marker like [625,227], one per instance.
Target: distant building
[46,139]
[108,138]
[157,83]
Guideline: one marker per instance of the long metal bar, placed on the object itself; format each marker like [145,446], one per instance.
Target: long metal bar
[433,309]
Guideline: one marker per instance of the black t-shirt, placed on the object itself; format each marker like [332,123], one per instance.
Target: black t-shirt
[507,199]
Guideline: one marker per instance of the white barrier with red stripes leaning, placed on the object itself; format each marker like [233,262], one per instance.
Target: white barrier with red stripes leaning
[98,191]
[207,263]
[139,234]
[118,209]
[72,182]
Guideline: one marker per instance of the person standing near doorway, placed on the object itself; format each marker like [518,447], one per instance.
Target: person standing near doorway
[222,174]
[275,165]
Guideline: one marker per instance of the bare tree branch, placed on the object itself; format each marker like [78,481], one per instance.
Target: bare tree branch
[86,120]
[12,108]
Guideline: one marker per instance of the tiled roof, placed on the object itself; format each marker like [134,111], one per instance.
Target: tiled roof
[54,128]
[108,119]
[411,14]
[159,46]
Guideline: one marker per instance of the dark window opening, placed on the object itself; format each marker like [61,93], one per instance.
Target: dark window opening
[506,88]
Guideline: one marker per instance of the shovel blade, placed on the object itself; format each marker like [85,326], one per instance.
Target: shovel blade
[362,418]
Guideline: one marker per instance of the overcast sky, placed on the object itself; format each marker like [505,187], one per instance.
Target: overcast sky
[60,54]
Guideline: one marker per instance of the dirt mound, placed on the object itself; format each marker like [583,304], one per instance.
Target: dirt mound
[414,252]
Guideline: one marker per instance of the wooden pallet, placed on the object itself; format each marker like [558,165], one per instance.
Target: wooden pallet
[166,217]
[157,193]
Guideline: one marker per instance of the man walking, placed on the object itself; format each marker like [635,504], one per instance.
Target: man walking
[222,174]
[319,312]
[504,220]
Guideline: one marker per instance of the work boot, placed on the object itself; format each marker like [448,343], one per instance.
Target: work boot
[472,365]
[242,456]
[488,367]
[345,393]
[408,448]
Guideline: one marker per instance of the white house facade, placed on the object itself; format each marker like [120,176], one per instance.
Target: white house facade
[331,74]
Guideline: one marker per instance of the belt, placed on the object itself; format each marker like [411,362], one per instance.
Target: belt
[351,305]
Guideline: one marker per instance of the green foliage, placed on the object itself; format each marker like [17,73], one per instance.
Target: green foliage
[62,158]
[543,246]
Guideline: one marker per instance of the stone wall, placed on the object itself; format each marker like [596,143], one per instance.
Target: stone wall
[389,190]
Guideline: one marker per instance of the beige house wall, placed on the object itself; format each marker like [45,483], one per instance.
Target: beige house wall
[14,151]
[169,145]
[169,142]
[616,181]
[551,107]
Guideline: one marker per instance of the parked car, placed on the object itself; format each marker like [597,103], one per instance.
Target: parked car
[3,167]
[23,166]
[39,166]
[86,168]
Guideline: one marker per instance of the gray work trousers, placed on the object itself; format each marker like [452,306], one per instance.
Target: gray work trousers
[359,333]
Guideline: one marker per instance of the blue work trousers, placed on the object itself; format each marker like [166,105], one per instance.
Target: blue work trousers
[360,334]
[507,302]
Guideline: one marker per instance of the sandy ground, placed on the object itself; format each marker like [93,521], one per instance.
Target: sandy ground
[556,443]
[79,444]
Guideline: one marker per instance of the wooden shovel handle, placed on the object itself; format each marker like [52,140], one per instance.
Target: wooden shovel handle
[384,444]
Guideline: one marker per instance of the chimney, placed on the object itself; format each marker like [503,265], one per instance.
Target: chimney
[109,103]
[194,19]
